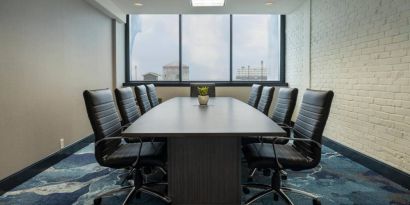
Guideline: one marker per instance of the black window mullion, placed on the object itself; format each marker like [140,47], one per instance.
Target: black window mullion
[282,48]
[230,48]
[180,48]
[127,50]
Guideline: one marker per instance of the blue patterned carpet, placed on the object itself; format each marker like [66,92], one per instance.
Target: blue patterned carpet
[78,178]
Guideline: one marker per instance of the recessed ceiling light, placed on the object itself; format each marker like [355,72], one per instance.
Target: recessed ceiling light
[203,3]
[268,3]
[138,4]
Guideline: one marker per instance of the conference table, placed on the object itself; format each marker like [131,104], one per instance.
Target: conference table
[204,145]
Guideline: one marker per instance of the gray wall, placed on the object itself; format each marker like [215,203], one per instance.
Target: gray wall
[119,40]
[50,51]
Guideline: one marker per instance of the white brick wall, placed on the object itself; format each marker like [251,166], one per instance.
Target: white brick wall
[361,51]
[298,50]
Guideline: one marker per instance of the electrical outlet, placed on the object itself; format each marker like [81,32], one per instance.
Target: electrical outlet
[61,143]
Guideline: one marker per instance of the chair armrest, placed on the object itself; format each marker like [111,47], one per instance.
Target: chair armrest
[300,139]
[120,138]
[278,165]
[115,138]
[125,126]
[284,126]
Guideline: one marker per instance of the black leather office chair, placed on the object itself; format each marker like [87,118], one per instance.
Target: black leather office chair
[129,112]
[255,95]
[128,108]
[152,95]
[303,153]
[127,105]
[282,114]
[194,89]
[110,151]
[266,99]
[142,98]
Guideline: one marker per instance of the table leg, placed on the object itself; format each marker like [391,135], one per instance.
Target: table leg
[204,170]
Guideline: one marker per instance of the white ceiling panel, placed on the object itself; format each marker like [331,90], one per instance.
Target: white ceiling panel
[230,7]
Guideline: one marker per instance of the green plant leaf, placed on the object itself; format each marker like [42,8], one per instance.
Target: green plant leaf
[203,91]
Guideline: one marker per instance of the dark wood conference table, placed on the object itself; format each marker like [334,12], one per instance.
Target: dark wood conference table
[204,145]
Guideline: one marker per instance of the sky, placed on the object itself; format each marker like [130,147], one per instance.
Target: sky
[205,44]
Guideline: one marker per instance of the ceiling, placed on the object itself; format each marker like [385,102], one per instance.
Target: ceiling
[231,7]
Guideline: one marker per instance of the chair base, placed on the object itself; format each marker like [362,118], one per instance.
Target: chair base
[266,172]
[133,191]
[278,192]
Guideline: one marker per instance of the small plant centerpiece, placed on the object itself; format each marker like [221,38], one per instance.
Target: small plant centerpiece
[203,96]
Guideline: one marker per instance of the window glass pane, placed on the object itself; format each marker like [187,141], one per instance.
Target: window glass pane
[205,47]
[255,48]
[154,47]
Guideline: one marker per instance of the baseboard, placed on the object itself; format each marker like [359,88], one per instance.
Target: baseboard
[25,174]
[382,168]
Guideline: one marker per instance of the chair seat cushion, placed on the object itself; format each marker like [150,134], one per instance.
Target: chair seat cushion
[152,154]
[261,155]
[265,139]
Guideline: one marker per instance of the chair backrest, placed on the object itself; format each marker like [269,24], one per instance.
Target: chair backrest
[194,89]
[311,122]
[255,95]
[127,105]
[142,98]
[285,105]
[104,120]
[266,99]
[152,95]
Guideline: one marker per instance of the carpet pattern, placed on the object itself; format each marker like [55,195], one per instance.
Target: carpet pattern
[78,179]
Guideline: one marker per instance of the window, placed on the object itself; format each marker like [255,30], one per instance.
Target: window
[205,47]
[255,48]
[154,47]
[232,49]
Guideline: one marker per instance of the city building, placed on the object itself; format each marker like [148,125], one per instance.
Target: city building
[248,73]
[171,72]
[151,76]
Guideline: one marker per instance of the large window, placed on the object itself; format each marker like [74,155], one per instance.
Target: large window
[205,47]
[221,48]
[255,47]
[154,47]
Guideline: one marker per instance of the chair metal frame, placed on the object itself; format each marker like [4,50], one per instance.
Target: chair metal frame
[276,188]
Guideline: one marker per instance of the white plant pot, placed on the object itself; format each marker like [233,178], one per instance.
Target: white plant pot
[203,100]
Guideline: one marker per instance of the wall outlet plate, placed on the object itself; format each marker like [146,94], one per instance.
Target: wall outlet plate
[61,143]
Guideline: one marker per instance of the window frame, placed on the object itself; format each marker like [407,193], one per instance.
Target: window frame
[231,82]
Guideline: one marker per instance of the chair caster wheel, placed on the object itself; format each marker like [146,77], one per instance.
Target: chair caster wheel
[275,197]
[316,202]
[266,172]
[97,201]
[245,190]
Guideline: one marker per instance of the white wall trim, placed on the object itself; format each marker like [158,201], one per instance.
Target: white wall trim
[110,9]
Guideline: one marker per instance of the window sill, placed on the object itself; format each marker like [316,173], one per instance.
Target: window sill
[217,83]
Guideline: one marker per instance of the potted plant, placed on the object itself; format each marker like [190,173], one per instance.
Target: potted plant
[203,96]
